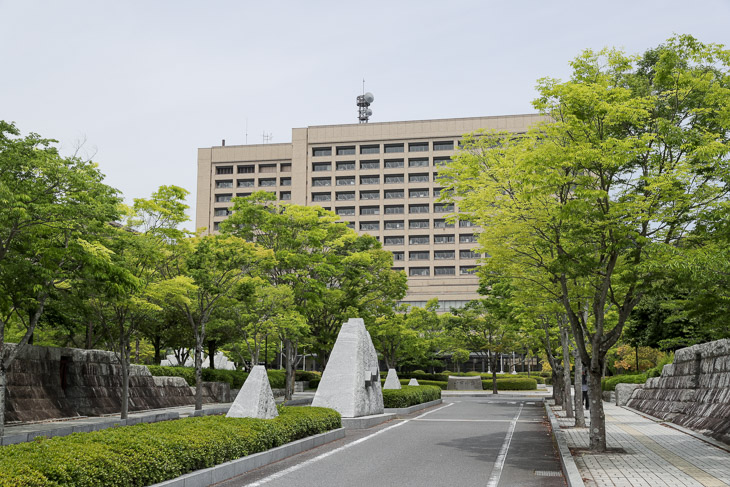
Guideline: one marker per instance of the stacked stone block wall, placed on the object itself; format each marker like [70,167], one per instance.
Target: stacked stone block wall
[693,392]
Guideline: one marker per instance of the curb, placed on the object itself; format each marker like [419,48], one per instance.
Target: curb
[364,422]
[412,409]
[234,468]
[570,469]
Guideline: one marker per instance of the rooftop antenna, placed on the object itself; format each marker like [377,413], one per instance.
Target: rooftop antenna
[266,137]
[246,130]
[363,105]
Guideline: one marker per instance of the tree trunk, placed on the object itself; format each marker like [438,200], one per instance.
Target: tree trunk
[3,381]
[493,363]
[157,344]
[289,381]
[558,384]
[598,418]
[565,342]
[580,419]
[198,374]
[211,353]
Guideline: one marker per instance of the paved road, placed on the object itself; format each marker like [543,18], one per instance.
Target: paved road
[466,441]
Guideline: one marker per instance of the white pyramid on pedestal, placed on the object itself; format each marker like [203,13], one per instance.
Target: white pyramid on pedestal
[392,382]
[255,399]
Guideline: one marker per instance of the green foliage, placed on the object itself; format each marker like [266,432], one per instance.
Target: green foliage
[657,371]
[410,396]
[145,454]
[524,384]
[609,383]
[235,378]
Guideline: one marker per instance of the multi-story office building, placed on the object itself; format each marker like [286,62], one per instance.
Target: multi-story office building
[380,178]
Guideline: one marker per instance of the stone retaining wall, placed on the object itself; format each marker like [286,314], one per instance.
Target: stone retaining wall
[693,392]
[49,382]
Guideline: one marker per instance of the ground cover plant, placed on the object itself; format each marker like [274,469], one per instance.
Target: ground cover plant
[154,452]
[410,396]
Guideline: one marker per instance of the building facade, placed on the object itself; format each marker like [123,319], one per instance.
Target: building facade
[380,178]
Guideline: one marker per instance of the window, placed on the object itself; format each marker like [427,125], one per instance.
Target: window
[418,271]
[417,162]
[345,195]
[228,183]
[350,225]
[267,168]
[418,147]
[370,149]
[417,208]
[467,269]
[246,169]
[224,170]
[393,240]
[321,151]
[369,225]
[346,166]
[285,167]
[394,178]
[223,198]
[370,210]
[467,238]
[346,151]
[437,192]
[345,211]
[443,207]
[245,183]
[397,269]
[468,254]
[216,226]
[369,195]
[285,181]
[390,148]
[394,225]
[444,145]
[393,163]
[443,239]
[393,209]
[221,212]
[419,255]
[444,271]
[267,182]
[369,164]
[418,240]
[285,195]
[465,224]
[440,161]
[321,181]
[345,181]
[441,223]
[242,195]
[398,256]
[321,166]
[417,224]
[321,197]
[369,179]
[418,178]
[418,193]
[444,254]
[394,194]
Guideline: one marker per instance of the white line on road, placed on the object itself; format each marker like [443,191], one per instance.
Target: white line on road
[480,420]
[499,464]
[294,468]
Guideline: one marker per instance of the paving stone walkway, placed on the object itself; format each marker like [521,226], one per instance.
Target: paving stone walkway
[655,454]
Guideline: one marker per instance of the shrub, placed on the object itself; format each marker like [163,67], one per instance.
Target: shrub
[609,383]
[418,371]
[314,383]
[512,384]
[307,375]
[234,378]
[155,452]
[410,396]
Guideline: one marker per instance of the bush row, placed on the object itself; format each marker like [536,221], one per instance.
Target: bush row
[235,378]
[145,454]
[508,384]
[410,396]
[445,376]
[609,383]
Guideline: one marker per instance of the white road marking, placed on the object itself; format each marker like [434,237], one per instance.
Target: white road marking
[499,463]
[294,468]
[479,420]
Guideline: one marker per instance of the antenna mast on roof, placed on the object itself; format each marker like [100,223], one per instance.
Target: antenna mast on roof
[363,105]
[266,137]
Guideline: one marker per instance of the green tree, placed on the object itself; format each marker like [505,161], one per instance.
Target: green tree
[634,153]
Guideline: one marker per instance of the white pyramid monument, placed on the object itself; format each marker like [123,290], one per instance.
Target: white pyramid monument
[255,399]
[351,381]
[413,382]
[392,382]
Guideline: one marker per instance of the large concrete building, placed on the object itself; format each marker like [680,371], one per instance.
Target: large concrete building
[380,178]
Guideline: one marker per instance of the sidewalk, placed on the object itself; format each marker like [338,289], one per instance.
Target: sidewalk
[655,454]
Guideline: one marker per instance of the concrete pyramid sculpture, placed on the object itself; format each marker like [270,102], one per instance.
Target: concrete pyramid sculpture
[392,382]
[351,381]
[413,382]
[255,399]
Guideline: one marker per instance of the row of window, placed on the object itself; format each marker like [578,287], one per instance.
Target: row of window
[388,194]
[250,183]
[347,150]
[437,255]
[438,270]
[251,168]
[412,225]
[424,240]
[393,209]
[375,164]
[388,179]
[226,198]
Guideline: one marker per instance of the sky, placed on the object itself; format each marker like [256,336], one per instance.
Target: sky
[140,85]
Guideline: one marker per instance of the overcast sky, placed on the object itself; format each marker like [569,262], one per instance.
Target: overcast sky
[145,83]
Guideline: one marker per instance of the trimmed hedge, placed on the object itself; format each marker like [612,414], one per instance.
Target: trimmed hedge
[235,378]
[485,376]
[410,396]
[609,383]
[145,454]
[510,384]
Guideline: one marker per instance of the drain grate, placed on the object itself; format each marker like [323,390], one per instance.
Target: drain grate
[548,473]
